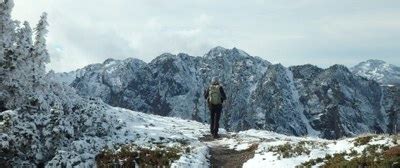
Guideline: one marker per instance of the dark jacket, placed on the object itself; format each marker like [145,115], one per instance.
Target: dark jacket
[223,96]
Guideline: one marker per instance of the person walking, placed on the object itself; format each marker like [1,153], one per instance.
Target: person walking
[215,96]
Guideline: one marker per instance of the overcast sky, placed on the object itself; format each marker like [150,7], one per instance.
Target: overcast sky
[290,32]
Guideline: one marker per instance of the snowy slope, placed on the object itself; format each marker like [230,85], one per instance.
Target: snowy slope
[109,128]
[145,131]
[281,151]
[302,149]
[378,70]
[150,131]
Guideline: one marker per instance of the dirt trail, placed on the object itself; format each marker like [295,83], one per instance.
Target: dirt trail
[223,157]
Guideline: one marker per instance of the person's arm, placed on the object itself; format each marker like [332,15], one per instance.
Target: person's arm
[223,95]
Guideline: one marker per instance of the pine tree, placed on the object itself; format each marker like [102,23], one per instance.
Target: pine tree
[7,39]
[24,36]
[6,23]
[40,54]
[23,52]
[20,83]
[7,32]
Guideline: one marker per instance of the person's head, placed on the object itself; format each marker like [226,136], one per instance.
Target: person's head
[214,80]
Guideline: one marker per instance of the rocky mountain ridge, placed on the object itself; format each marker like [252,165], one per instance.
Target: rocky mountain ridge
[298,100]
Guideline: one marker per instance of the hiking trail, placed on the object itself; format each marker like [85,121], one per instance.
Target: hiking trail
[222,156]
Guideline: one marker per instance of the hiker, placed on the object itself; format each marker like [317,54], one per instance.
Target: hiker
[215,96]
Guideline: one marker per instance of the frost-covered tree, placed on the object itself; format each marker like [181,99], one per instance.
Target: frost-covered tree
[24,48]
[17,79]
[43,117]
[24,41]
[40,54]
[22,63]
[7,26]
[7,33]
[7,39]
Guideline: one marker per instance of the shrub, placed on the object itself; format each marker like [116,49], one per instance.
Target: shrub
[372,156]
[131,156]
[288,150]
[362,140]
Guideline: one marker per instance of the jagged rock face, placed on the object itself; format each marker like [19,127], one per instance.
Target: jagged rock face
[172,85]
[338,103]
[126,83]
[276,103]
[300,100]
[240,75]
[392,107]
[380,71]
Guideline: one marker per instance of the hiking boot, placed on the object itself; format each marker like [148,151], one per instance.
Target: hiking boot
[216,136]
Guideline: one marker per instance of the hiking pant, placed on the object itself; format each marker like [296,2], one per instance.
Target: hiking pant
[215,111]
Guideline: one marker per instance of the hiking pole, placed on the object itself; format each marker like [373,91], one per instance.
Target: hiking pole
[205,108]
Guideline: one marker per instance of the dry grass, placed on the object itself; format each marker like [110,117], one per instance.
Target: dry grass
[371,156]
[363,140]
[130,155]
[288,150]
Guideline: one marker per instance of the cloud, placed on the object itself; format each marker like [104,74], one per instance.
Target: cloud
[289,32]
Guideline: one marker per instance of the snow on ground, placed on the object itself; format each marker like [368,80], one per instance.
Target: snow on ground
[144,131]
[311,147]
[155,127]
[148,131]
[318,148]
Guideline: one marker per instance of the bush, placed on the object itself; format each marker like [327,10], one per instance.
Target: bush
[362,140]
[372,156]
[288,150]
[131,156]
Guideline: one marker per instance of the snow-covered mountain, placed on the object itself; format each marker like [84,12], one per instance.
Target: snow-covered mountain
[378,70]
[299,100]
[45,123]
[172,85]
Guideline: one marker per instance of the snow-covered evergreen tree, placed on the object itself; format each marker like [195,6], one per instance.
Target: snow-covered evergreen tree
[6,25]
[24,50]
[43,117]
[24,41]
[17,78]
[41,56]
[22,64]
[7,39]
[7,33]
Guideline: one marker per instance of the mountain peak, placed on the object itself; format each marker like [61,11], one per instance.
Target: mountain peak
[372,63]
[218,49]
[338,67]
[108,60]
[166,55]
[375,60]
[221,51]
[217,52]
[378,70]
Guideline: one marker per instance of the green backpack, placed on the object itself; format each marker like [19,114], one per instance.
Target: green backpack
[214,95]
